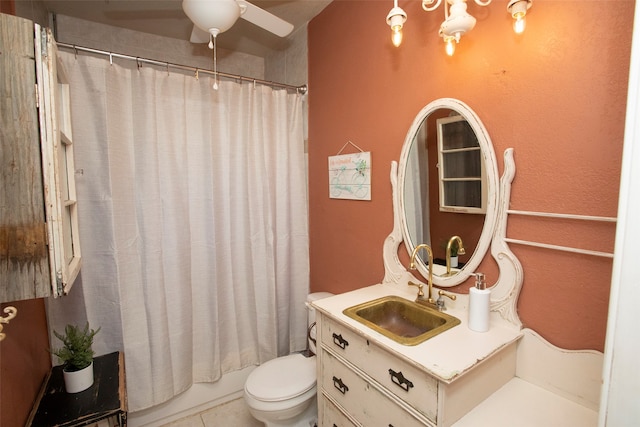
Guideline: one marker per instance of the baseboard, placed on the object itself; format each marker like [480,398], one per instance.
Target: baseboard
[200,397]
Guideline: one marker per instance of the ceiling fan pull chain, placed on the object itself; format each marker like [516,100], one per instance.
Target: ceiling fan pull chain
[215,60]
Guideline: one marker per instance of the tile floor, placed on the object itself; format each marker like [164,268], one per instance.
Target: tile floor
[230,414]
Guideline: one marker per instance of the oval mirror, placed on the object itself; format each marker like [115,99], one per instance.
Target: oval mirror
[448,186]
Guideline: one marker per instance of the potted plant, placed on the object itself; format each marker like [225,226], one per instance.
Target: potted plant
[77,357]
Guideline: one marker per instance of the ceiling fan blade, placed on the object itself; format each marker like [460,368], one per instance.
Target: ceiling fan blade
[264,19]
[199,35]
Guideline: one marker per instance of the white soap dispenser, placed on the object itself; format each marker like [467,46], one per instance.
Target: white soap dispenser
[479,305]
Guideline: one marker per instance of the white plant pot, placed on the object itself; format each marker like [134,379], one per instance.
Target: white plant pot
[454,261]
[77,381]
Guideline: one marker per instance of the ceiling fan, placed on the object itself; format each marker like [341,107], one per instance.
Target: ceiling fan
[212,17]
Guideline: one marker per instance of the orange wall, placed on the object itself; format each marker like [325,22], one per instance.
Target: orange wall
[24,361]
[8,6]
[556,94]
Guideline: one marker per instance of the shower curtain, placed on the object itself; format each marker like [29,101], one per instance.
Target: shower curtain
[416,189]
[193,221]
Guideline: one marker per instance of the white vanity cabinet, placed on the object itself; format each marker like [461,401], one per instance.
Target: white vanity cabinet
[360,398]
[394,375]
[332,416]
[363,383]
[368,379]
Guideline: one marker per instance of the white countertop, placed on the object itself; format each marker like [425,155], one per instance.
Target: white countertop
[520,403]
[445,356]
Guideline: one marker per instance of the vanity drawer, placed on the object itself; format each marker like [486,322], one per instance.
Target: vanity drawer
[363,401]
[406,381]
[332,416]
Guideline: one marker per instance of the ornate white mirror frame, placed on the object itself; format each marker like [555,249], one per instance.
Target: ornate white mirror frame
[505,292]
[489,187]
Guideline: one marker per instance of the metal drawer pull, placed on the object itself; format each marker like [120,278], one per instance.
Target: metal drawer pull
[342,387]
[339,341]
[400,380]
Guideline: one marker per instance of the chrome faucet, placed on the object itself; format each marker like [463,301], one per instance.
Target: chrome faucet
[461,251]
[422,298]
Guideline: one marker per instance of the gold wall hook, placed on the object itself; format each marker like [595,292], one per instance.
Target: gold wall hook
[11,313]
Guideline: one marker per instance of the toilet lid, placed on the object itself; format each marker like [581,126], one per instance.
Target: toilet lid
[282,378]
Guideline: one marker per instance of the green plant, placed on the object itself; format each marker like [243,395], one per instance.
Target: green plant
[76,353]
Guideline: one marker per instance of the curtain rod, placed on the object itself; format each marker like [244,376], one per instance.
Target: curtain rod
[299,89]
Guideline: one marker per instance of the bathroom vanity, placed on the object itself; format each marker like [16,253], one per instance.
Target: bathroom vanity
[367,379]
[458,377]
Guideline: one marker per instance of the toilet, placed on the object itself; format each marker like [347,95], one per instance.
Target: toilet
[282,391]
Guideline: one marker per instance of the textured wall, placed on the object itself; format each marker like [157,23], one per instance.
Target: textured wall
[556,95]
[134,43]
[24,361]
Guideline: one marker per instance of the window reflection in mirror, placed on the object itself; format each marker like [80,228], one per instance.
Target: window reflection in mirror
[460,170]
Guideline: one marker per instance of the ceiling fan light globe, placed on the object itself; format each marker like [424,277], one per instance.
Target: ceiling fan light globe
[212,14]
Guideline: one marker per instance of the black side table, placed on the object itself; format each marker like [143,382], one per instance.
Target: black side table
[106,398]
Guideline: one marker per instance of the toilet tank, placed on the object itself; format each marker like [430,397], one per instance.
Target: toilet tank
[311,317]
[311,312]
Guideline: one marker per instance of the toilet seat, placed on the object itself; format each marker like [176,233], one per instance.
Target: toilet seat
[283,378]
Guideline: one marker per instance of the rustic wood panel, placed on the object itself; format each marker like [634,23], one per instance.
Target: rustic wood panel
[24,268]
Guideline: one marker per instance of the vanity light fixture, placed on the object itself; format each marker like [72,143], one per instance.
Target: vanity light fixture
[396,19]
[518,10]
[457,21]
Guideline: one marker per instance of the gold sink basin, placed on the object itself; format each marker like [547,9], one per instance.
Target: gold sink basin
[404,321]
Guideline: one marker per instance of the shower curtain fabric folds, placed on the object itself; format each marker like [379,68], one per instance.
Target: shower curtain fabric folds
[193,222]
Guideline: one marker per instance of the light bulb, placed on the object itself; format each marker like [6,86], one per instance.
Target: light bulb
[396,35]
[518,10]
[520,23]
[396,19]
[450,45]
